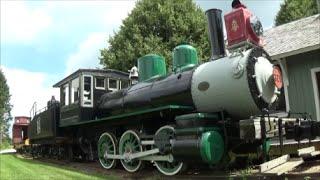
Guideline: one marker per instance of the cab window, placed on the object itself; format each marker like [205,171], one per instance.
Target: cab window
[124,84]
[100,83]
[87,91]
[75,90]
[113,84]
[65,95]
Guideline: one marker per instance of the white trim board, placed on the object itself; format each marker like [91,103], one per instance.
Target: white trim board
[316,91]
[285,79]
[295,52]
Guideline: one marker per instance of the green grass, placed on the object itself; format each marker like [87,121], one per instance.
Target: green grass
[12,167]
[5,145]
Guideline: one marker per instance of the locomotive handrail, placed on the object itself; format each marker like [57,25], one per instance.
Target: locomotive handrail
[33,111]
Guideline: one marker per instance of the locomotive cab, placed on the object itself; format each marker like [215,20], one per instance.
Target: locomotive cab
[81,91]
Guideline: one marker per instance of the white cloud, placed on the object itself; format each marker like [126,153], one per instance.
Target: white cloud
[87,53]
[26,88]
[117,12]
[21,23]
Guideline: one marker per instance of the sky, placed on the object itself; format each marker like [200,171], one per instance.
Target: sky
[44,41]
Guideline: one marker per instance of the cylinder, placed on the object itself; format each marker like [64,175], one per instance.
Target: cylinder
[186,150]
[208,147]
[216,33]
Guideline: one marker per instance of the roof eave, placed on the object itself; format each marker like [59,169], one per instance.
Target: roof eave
[295,52]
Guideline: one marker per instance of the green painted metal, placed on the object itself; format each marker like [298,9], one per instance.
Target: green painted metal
[184,58]
[198,116]
[165,167]
[211,147]
[196,130]
[151,66]
[144,111]
[300,88]
[266,148]
[106,145]
[130,144]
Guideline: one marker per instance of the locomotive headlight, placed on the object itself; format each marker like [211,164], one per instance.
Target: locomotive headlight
[256,25]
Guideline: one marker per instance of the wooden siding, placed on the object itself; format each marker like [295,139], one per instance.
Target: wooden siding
[300,89]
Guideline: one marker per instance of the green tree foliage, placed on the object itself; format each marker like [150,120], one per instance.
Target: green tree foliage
[157,26]
[292,10]
[5,109]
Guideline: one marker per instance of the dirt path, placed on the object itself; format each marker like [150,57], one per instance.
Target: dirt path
[308,169]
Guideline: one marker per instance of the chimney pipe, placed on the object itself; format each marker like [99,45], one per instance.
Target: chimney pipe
[216,33]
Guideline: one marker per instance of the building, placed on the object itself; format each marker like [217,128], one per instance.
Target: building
[296,46]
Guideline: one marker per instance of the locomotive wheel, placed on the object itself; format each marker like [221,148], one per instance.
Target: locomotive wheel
[129,144]
[107,145]
[165,167]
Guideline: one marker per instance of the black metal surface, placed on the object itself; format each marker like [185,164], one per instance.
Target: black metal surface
[47,124]
[196,123]
[280,135]
[174,89]
[261,104]
[186,150]
[305,129]
[162,141]
[216,33]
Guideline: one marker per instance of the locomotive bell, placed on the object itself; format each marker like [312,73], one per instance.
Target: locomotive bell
[133,76]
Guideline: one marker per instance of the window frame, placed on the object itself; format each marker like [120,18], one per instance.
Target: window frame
[82,91]
[120,82]
[104,83]
[66,90]
[316,94]
[72,93]
[113,89]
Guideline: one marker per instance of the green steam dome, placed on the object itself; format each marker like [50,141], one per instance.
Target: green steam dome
[184,58]
[151,66]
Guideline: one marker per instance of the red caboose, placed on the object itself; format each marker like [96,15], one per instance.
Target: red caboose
[20,130]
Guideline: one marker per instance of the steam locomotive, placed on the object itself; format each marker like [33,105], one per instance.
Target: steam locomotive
[198,113]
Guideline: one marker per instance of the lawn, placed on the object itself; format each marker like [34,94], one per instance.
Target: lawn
[12,167]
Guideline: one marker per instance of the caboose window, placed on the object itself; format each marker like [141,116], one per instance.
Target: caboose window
[87,91]
[75,90]
[100,83]
[112,84]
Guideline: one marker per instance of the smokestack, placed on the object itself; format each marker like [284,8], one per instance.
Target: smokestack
[216,33]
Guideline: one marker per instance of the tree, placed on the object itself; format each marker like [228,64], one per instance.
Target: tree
[5,108]
[157,26]
[292,10]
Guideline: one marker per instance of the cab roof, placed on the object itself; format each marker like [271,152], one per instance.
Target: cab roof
[97,72]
